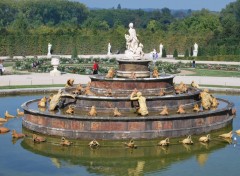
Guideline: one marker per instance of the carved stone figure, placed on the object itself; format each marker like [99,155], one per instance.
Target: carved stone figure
[108,93]
[196,108]
[142,110]
[162,92]
[65,142]
[78,89]
[195,50]
[181,110]
[187,140]
[164,112]
[130,144]
[49,49]
[160,49]
[93,144]
[69,83]
[164,142]
[43,102]
[195,85]
[134,49]
[109,49]
[70,109]
[155,73]
[181,88]
[93,111]
[110,73]
[56,99]
[116,112]
[88,91]
[206,99]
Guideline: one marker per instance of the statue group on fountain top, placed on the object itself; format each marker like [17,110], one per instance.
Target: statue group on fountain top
[134,48]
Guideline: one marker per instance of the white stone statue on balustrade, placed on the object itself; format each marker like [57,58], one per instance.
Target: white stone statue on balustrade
[109,49]
[160,49]
[49,49]
[132,44]
[195,50]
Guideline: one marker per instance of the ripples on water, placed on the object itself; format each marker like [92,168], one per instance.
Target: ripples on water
[23,157]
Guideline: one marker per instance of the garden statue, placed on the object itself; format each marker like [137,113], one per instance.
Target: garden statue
[134,49]
[130,144]
[204,138]
[93,111]
[49,49]
[164,142]
[133,75]
[181,110]
[65,142]
[155,73]
[43,102]
[56,99]
[78,89]
[88,91]
[110,73]
[38,139]
[69,83]
[116,112]
[195,85]
[109,49]
[196,108]
[181,88]
[164,112]
[162,92]
[142,109]
[160,50]
[206,99]
[108,93]
[93,144]
[70,109]
[187,140]
[195,50]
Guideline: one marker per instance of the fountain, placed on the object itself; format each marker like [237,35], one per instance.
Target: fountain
[138,96]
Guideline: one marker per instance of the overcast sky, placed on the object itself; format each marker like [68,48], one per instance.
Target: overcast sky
[213,5]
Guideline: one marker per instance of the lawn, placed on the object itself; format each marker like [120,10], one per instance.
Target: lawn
[214,73]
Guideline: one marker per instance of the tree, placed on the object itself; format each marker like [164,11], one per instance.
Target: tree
[164,53]
[175,53]
[119,7]
[186,53]
[191,51]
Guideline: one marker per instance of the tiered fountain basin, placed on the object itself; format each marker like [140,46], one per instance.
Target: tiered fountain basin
[130,125]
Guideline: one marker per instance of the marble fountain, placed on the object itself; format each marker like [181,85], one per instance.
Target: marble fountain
[91,114]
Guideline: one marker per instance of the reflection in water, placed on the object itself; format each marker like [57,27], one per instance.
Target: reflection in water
[202,158]
[113,158]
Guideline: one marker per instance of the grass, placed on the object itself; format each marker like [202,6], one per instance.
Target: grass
[214,73]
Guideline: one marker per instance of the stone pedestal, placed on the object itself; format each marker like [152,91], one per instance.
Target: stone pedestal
[138,67]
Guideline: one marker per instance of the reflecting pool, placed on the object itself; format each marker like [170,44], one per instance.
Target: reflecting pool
[24,158]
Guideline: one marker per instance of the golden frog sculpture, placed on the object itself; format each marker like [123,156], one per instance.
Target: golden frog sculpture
[142,109]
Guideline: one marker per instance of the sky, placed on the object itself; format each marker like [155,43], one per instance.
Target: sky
[212,5]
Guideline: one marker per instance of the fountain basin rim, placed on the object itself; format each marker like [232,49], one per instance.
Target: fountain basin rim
[138,118]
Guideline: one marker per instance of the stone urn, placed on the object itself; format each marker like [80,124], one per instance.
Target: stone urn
[55,63]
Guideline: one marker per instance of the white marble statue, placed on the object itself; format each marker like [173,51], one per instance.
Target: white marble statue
[109,49]
[49,49]
[195,50]
[134,49]
[160,49]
